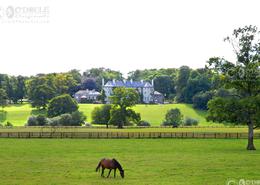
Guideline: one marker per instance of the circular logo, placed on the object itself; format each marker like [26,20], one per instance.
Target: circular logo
[232,182]
[242,182]
[10,12]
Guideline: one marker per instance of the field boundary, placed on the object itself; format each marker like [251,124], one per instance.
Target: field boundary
[127,135]
[115,127]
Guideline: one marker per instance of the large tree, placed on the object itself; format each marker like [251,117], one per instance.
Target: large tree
[62,104]
[242,107]
[181,82]
[3,98]
[164,84]
[123,99]
[101,73]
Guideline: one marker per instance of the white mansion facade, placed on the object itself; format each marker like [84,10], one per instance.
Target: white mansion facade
[146,89]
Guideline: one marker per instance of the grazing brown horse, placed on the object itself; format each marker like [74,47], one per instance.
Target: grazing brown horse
[111,165]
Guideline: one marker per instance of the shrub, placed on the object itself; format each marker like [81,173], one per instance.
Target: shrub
[32,121]
[1,125]
[61,105]
[116,117]
[143,123]
[173,118]
[200,100]
[88,125]
[128,118]
[9,124]
[41,120]
[78,118]
[55,121]
[74,119]
[101,115]
[65,119]
[190,121]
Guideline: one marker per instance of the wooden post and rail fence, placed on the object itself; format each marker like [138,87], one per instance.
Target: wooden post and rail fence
[127,135]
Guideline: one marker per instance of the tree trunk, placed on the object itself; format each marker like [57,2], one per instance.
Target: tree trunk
[250,145]
[120,125]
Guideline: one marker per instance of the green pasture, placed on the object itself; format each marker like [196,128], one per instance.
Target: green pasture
[18,114]
[146,161]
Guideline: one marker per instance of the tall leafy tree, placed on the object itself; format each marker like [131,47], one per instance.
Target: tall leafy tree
[244,76]
[3,98]
[181,82]
[41,96]
[62,104]
[164,84]
[123,99]
[20,90]
[89,83]
[102,73]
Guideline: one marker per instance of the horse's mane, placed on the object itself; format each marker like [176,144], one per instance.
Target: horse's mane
[118,164]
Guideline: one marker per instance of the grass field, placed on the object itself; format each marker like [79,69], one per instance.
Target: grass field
[146,162]
[18,114]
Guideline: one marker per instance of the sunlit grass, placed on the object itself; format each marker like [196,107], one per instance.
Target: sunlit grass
[18,114]
[146,161]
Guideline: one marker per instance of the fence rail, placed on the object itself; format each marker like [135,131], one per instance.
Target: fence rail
[114,127]
[129,135]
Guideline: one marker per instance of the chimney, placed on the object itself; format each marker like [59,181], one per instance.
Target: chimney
[152,82]
[142,81]
[103,82]
[114,81]
[131,81]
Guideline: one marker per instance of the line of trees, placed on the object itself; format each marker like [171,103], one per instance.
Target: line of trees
[179,85]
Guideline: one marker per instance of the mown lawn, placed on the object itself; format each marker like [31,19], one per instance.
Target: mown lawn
[146,161]
[18,114]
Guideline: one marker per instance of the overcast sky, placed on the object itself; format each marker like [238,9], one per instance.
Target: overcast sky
[117,34]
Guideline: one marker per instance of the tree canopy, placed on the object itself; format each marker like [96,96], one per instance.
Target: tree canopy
[62,104]
[241,107]
[123,99]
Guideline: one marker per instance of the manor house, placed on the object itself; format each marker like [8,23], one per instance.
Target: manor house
[145,89]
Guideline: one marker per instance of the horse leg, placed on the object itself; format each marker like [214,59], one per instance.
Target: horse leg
[109,173]
[102,173]
[115,173]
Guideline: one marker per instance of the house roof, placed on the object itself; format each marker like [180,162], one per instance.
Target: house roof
[129,84]
[87,93]
[157,93]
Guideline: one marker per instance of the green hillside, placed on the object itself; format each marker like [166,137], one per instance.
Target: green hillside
[18,114]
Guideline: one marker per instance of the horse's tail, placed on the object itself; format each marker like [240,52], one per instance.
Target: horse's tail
[98,167]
